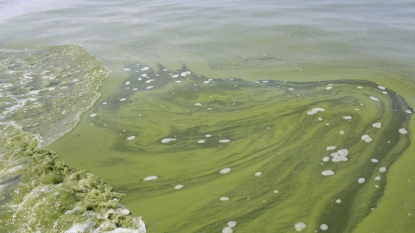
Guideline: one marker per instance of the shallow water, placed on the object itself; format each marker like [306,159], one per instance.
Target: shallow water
[308,44]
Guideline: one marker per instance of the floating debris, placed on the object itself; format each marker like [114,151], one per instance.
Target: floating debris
[403,131]
[327,173]
[224,140]
[179,186]
[374,98]
[148,178]
[361,180]
[366,138]
[315,110]
[225,170]
[299,226]
[377,125]
[167,140]
[331,147]
[324,227]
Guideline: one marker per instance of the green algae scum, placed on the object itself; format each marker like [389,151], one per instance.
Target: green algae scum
[201,154]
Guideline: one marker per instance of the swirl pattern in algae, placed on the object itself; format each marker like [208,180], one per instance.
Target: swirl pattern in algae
[315,153]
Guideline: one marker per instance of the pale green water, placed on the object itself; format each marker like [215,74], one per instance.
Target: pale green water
[341,43]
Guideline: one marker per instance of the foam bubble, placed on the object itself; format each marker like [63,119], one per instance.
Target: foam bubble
[382,169]
[232,224]
[324,227]
[148,178]
[377,125]
[408,111]
[258,173]
[175,76]
[208,135]
[340,156]
[167,140]
[374,98]
[127,83]
[198,104]
[403,131]
[320,118]
[384,92]
[299,226]
[338,201]
[144,75]
[329,88]
[150,80]
[374,160]
[347,117]
[224,140]
[327,173]
[201,141]
[145,68]
[227,230]
[131,138]
[177,81]
[382,88]
[341,132]
[315,110]
[326,159]
[123,99]
[149,87]
[276,191]
[331,147]
[93,115]
[359,87]
[366,138]
[224,199]
[179,186]
[225,170]
[361,180]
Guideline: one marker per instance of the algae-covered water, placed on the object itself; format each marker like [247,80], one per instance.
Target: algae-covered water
[220,116]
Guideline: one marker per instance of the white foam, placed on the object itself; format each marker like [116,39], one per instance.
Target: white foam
[123,99]
[374,98]
[201,141]
[225,170]
[324,227]
[148,178]
[291,89]
[377,125]
[179,186]
[198,104]
[339,201]
[276,191]
[127,69]
[382,88]
[403,131]
[149,87]
[320,118]
[384,92]
[329,88]
[177,81]
[208,135]
[227,230]
[144,75]
[167,140]
[93,115]
[374,160]
[359,87]
[331,147]
[408,111]
[258,173]
[224,140]
[175,76]
[315,110]
[104,103]
[327,173]
[232,224]
[131,138]
[340,156]
[341,132]
[127,83]
[326,159]
[224,199]
[299,226]
[145,68]
[150,80]
[382,169]
[366,138]
[347,117]
[361,180]
[377,178]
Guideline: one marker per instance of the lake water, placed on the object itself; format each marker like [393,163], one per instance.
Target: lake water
[275,116]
